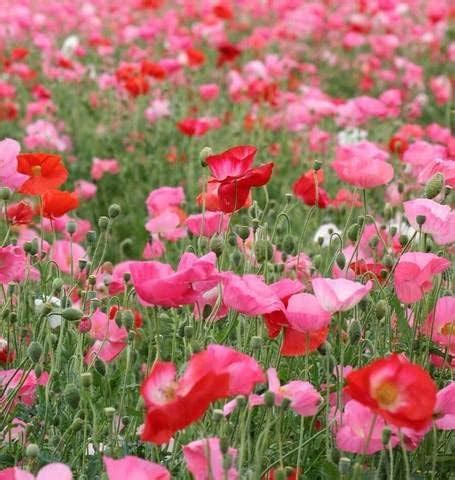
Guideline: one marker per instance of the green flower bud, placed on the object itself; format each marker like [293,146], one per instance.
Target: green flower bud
[374,241]
[387,261]
[128,319]
[393,230]
[388,211]
[217,415]
[72,395]
[109,412]
[216,245]
[289,244]
[72,314]
[355,332]
[256,342]
[91,237]
[57,284]
[34,352]
[5,194]
[204,154]
[38,370]
[263,250]
[317,261]
[114,210]
[224,445]
[32,450]
[420,220]
[243,231]
[317,164]
[188,331]
[236,258]
[386,435]
[103,223]
[71,227]
[241,401]
[341,260]
[100,367]
[434,186]
[344,466]
[403,240]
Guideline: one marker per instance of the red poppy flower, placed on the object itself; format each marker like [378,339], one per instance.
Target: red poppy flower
[368,269]
[232,172]
[308,189]
[57,203]
[402,392]
[136,85]
[398,144]
[194,127]
[8,110]
[222,10]
[292,475]
[195,57]
[153,70]
[20,213]
[228,52]
[46,171]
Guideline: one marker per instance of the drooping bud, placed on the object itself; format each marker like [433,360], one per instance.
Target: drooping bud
[263,250]
[72,395]
[72,314]
[34,352]
[289,244]
[216,245]
[204,154]
[341,260]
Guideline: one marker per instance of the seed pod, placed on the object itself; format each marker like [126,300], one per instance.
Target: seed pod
[216,245]
[114,210]
[103,223]
[380,309]
[32,450]
[72,395]
[263,250]
[341,260]
[289,244]
[353,232]
[243,231]
[34,352]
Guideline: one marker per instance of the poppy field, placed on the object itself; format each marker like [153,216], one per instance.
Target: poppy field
[228,234]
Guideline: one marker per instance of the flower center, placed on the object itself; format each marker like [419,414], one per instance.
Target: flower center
[169,391]
[448,329]
[36,171]
[386,394]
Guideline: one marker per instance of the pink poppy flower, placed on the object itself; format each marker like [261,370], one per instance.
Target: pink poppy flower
[305,313]
[249,294]
[157,283]
[363,165]
[339,295]
[204,460]
[12,264]
[9,176]
[439,219]
[158,108]
[154,248]
[64,255]
[207,224]
[110,339]
[414,275]
[440,324]
[134,467]
[100,167]
[85,190]
[359,430]
[116,281]
[53,471]
[209,91]
[162,198]
[445,408]
[305,399]
[27,391]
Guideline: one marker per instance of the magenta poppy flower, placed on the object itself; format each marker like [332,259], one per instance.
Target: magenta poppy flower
[440,324]
[439,219]
[207,224]
[414,275]
[233,171]
[339,294]
[134,467]
[363,165]
[158,283]
[53,471]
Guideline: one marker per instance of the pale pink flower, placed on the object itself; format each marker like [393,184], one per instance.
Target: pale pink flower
[26,394]
[134,468]
[9,176]
[339,295]
[207,224]
[204,460]
[162,198]
[305,313]
[85,190]
[67,255]
[445,408]
[158,108]
[12,264]
[414,275]
[102,166]
[53,471]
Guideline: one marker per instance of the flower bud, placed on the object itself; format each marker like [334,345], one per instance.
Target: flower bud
[34,352]
[216,245]
[57,284]
[289,244]
[355,332]
[72,395]
[72,314]
[71,227]
[317,164]
[188,331]
[217,415]
[387,261]
[403,240]
[38,370]
[91,237]
[317,261]
[114,210]
[388,211]
[5,194]
[32,450]
[341,260]
[241,401]
[100,367]
[103,223]
[224,445]
[263,250]
[380,309]
[420,220]
[236,258]
[243,232]
[434,186]
[109,412]
[344,465]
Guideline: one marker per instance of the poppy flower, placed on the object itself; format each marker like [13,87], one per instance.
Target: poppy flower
[307,188]
[227,52]
[20,213]
[154,70]
[232,171]
[402,392]
[173,404]
[134,467]
[56,203]
[46,171]
[52,471]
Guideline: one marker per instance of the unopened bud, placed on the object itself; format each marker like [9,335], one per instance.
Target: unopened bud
[269,399]
[103,223]
[344,465]
[263,250]
[86,379]
[355,332]
[380,309]
[72,395]
[216,245]
[32,450]
[72,314]
[204,154]
[420,220]
[353,232]
[289,244]
[341,260]
[34,352]
[71,227]
[256,342]
[434,186]
[114,210]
